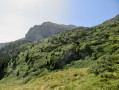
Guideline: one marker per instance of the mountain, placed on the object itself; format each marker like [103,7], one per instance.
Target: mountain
[68,60]
[45,30]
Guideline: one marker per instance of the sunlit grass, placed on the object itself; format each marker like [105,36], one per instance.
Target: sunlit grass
[67,79]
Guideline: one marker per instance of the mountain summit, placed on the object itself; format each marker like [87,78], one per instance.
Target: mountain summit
[45,30]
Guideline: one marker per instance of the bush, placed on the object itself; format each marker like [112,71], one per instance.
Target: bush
[27,79]
[107,75]
[105,64]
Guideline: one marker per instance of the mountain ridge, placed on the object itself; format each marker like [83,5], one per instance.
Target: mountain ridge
[38,32]
[45,30]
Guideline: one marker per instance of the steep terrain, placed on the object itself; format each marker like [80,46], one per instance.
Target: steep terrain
[94,49]
[45,30]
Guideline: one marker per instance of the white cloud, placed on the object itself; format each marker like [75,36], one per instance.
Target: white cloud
[17,16]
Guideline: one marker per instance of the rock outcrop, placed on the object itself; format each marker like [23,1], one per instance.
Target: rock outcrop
[45,30]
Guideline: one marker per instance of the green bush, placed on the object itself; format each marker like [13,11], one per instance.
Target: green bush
[106,63]
[26,79]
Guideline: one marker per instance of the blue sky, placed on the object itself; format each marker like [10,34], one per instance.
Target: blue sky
[17,16]
[91,12]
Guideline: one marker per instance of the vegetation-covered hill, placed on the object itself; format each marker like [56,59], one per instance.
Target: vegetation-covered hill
[43,31]
[95,48]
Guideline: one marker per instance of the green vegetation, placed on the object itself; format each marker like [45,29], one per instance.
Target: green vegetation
[67,79]
[89,56]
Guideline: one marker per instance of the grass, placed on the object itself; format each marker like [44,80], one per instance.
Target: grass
[67,79]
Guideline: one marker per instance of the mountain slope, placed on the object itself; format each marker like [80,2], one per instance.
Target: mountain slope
[96,48]
[45,30]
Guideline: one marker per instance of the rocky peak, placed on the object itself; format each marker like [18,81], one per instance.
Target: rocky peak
[45,30]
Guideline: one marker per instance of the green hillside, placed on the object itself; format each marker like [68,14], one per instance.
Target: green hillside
[88,53]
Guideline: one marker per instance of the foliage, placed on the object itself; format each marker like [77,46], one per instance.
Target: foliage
[96,48]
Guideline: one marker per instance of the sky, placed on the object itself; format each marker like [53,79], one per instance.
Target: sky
[18,16]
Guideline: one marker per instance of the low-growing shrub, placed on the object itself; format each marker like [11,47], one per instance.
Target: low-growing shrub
[27,79]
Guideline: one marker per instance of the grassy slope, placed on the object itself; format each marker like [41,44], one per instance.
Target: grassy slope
[62,79]
[66,79]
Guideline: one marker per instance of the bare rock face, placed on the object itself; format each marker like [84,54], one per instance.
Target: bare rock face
[45,30]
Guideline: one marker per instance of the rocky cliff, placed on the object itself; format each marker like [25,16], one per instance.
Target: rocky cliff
[45,30]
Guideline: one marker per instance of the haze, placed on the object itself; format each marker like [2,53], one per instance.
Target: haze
[17,16]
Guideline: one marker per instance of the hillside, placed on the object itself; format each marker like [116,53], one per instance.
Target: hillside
[93,50]
[68,79]
[42,31]
[45,30]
